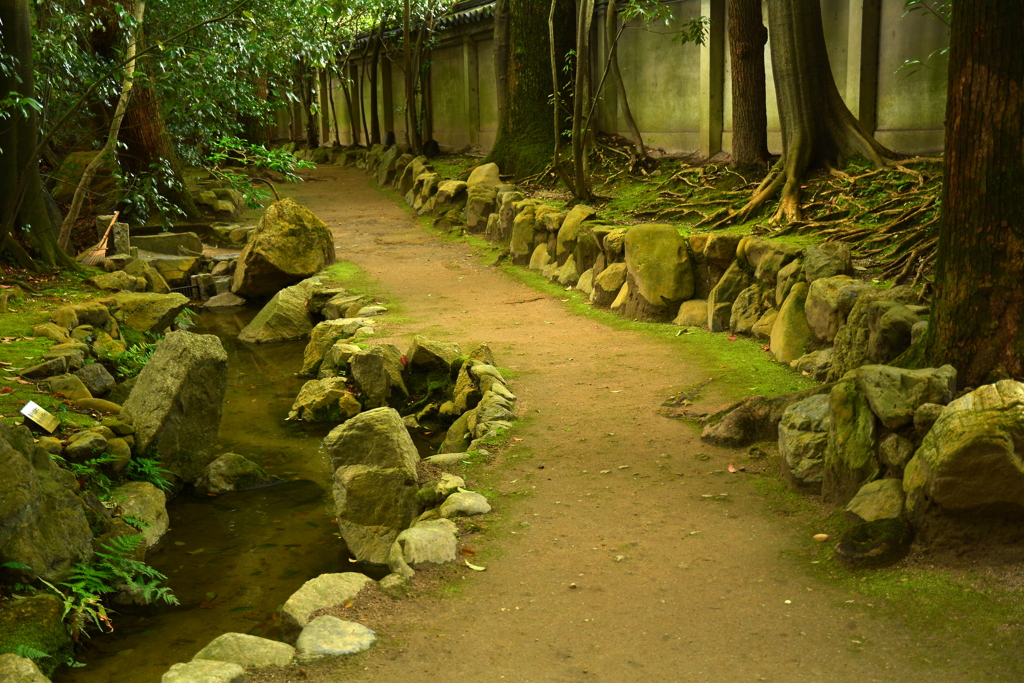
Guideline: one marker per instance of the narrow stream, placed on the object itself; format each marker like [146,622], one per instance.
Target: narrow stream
[233,559]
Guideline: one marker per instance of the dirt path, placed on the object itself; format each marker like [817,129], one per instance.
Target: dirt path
[625,576]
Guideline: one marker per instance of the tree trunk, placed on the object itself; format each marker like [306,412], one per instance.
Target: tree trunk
[612,37]
[581,101]
[412,125]
[977,321]
[525,140]
[146,146]
[817,128]
[374,65]
[21,188]
[307,92]
[501,52]
[747,38]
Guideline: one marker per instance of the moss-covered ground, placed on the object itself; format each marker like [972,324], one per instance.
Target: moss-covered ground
[19,348]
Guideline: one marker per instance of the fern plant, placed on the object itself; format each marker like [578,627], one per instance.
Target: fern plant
[148,469]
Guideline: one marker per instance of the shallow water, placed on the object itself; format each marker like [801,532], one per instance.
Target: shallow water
[233,559]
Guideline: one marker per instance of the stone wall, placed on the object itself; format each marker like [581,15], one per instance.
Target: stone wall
[680,94]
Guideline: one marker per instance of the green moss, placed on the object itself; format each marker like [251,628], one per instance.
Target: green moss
[35,625]
[970,611]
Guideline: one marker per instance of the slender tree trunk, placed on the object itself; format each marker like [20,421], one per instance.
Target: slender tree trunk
[612,37]
[581,92]
[747,38]
[977,321]
[374,66]
[21,188]
[333,106]
[526,140]
[818,129]
[501,53]
[351,91]
[412,124]
[108,149]
[307,92]
[362,94]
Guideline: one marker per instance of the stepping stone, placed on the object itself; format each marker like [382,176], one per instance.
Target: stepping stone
[329,636]
[204,671]
[245,650]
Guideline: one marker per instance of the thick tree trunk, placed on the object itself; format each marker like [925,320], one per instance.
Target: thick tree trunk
[612,37]
[818,129]
[146,146]
[21,189]
[747,38]
[525,136]
[977,321]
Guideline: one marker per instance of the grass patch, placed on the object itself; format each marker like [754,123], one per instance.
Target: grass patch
[966,609]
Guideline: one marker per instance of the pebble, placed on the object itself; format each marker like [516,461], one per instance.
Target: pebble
[820,538]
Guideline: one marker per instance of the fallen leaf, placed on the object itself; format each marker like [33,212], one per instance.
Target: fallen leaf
[475,567]
[5,363]
[732,468]
[466,550]
[516,438]
[6,390]
[732,337]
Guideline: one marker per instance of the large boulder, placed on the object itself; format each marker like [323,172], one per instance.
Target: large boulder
[176,403]
[148,311]
[42,522]
[288,244]
[377,373]
[375,461]
[324,400]
[803,439]
[790,333]
[970,462]
[283,318]
[850,460]
[659,272]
